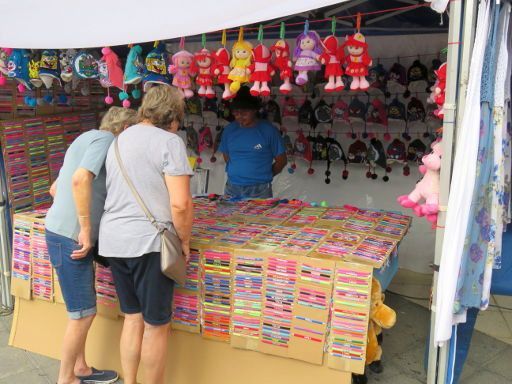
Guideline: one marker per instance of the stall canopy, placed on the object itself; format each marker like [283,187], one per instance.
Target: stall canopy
[94,23]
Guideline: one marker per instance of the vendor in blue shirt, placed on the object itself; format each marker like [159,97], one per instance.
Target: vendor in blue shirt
[253,150]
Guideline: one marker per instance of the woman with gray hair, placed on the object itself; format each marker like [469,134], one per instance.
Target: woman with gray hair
[156,162]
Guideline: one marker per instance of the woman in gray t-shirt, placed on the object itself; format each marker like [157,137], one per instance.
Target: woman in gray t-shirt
[156,162]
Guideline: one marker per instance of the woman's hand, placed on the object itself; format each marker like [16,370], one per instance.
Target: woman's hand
[185,248]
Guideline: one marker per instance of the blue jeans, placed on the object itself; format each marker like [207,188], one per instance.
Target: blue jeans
[76,277]
[257,191]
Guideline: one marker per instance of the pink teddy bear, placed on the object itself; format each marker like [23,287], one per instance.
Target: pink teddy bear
[427,188]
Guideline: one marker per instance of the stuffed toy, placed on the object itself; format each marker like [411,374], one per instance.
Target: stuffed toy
[134,68]
[332,59]
[156,68]
[221,71]
[438,91]
[111,73]
[307,55]
[357,61]
[240,61]
[381,317]
[203,66]
[283,63]
[427,188]
[261,71]
[182,72]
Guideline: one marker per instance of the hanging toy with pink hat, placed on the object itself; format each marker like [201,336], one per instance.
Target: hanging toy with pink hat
[111,74]
[358,60]
[307,54]
[261,69]
[282,62]
[332,58]
[221,68]
[4,59]
[181,69]
[240,61]
[203,67]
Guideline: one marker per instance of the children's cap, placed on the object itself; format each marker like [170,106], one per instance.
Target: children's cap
[134,68]
[156,68]
[49,67]
[415,110]
[17,67]
[357,109]
[357,152]
[416,150]
[396,110]
[85,65]
[417,72]
[396,151]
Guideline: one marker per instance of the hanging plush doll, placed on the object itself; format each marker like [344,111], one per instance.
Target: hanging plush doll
[306,55]
[240,61]
[49,67]
[202,65]
[182,71]
[332,59]
[438,91]
[283,63]
[261,71]
[111,73]
[357,61]
[221,71]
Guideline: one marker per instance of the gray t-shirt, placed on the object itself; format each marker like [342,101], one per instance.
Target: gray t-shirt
[147,153]
[88,151]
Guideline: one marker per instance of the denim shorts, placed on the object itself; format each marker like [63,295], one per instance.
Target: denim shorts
[142,287]
[76,277]
[257,191]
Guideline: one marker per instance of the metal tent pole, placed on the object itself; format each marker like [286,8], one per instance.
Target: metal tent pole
[5,263]
[460,41]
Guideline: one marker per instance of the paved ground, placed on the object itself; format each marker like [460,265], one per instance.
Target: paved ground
[404,346]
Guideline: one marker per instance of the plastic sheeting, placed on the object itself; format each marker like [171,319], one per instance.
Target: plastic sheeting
[96,23]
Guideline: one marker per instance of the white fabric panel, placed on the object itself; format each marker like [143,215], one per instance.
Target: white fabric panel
[462,186]
[96,23]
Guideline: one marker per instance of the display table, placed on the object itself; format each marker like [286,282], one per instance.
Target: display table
[280,286]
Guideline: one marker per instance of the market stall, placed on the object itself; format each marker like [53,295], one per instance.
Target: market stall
[379,135]
[281,279]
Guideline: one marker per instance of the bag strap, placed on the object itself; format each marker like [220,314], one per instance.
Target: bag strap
[148,214]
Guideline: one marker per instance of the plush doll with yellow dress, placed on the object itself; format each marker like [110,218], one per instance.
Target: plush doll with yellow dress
[381,317]
[240,61]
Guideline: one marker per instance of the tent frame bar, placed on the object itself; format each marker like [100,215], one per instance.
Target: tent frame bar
[460,44]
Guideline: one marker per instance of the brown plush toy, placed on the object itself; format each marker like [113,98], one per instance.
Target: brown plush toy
[381,317]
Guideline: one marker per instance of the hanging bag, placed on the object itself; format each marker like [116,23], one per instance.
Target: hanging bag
[172,262]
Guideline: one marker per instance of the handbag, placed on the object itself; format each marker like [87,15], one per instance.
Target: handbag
[172,261]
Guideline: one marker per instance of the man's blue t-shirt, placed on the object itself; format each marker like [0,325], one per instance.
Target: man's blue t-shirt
[251,152]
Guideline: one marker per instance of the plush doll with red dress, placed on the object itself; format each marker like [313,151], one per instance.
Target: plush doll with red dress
[357,61]
[203,66]
[283,63]
[438,91]
[332,58]
[221,71]
[261,71]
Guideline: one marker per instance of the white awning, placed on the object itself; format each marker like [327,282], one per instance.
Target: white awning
[36,24]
